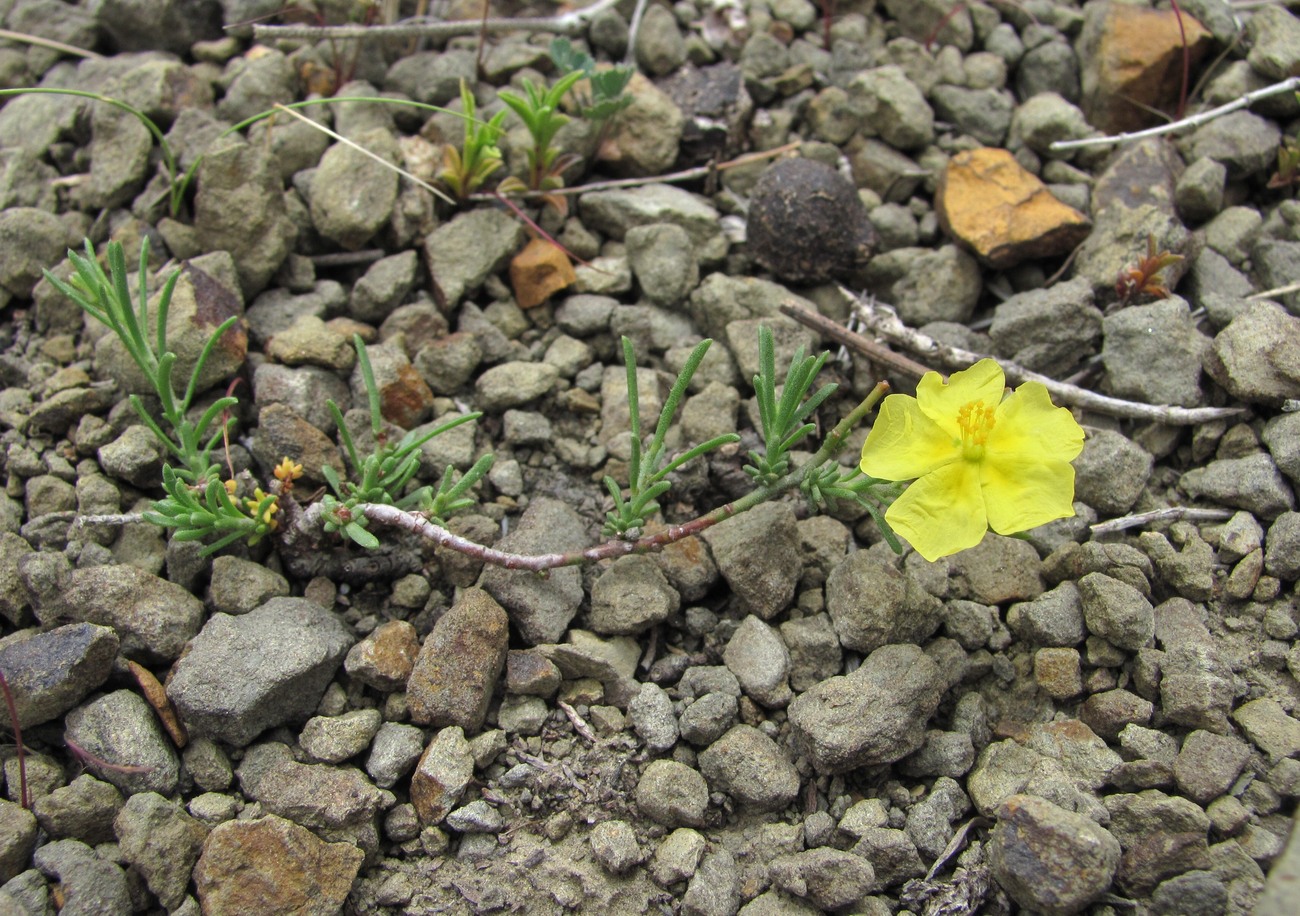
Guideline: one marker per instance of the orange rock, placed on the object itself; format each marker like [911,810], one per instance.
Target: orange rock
[538,272]
[1001,212]
[271,865]
[1133,63]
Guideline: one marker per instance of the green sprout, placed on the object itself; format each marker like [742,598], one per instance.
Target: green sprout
[539,110]
[106,298]
[465,170]
[607,94]
[784,420]
[648,470]
[198,503]
[385,472]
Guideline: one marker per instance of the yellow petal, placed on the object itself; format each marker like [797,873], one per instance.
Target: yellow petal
[940,402]
[904,443]
[943,512]
[1023,492]
[1028,425]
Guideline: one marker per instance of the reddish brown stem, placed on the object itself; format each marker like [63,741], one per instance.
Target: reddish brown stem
[24,799]
[1187,63]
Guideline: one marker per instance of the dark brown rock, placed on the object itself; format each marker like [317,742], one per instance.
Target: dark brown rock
[807,223]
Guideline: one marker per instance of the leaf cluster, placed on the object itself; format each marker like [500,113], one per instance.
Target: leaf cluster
[783,418]
[649,467]
[1288,164]
[385,472]
[1143,279]
[606,97]
[539,110]
[465,170]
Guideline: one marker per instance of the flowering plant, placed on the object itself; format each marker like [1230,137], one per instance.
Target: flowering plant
[978,460]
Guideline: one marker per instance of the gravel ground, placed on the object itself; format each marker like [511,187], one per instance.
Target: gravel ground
[780,716]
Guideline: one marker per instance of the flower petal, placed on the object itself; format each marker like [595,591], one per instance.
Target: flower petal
[904,443]
[943,512]
[940,402]
[1023,492]
[1028,425]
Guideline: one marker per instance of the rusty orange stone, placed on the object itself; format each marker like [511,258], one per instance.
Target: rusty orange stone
[538,272]
[1133,63]
[1002,213]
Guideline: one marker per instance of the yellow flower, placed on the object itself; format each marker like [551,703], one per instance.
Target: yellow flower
[979,461]
[287,470]
[268,514]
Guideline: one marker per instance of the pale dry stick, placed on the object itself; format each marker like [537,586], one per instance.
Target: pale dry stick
[1276,291]
[701,171]
[49,43]
[565,24]
[883,320]
[1171,513]
[361,149]
[1196,120]
[579,724]
[837,332]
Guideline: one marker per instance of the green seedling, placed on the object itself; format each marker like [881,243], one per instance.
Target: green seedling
[465,170]
[784,419]
[648,469]
[539,110]
[606,96]
[385,472]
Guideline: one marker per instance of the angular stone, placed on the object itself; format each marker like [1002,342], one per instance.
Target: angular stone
[538,272]
[1133,62]
[273,865]
[459,664]
[751,768]
[757,552]
[1050,859]
[245,674]
[384,659]
[1002,212]
[877,714]
[311,794]
[122,731]
[49,673]
[153,618]
[442,775]
[162,842]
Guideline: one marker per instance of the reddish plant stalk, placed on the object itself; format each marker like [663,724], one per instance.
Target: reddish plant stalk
[24,800]
[1187,63]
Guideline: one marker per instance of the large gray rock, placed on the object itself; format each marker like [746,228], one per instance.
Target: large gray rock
[540,607]
[1153,353]
[751,768]
[875,715]
[352,195]
[1257,356]
[269,667]
[872,604]
[464,252]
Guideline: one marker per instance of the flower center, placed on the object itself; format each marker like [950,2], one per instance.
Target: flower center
[976,422]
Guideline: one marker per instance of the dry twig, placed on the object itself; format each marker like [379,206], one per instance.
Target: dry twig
[884,321]
[1196,120]
[1172,513]
[569,23]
